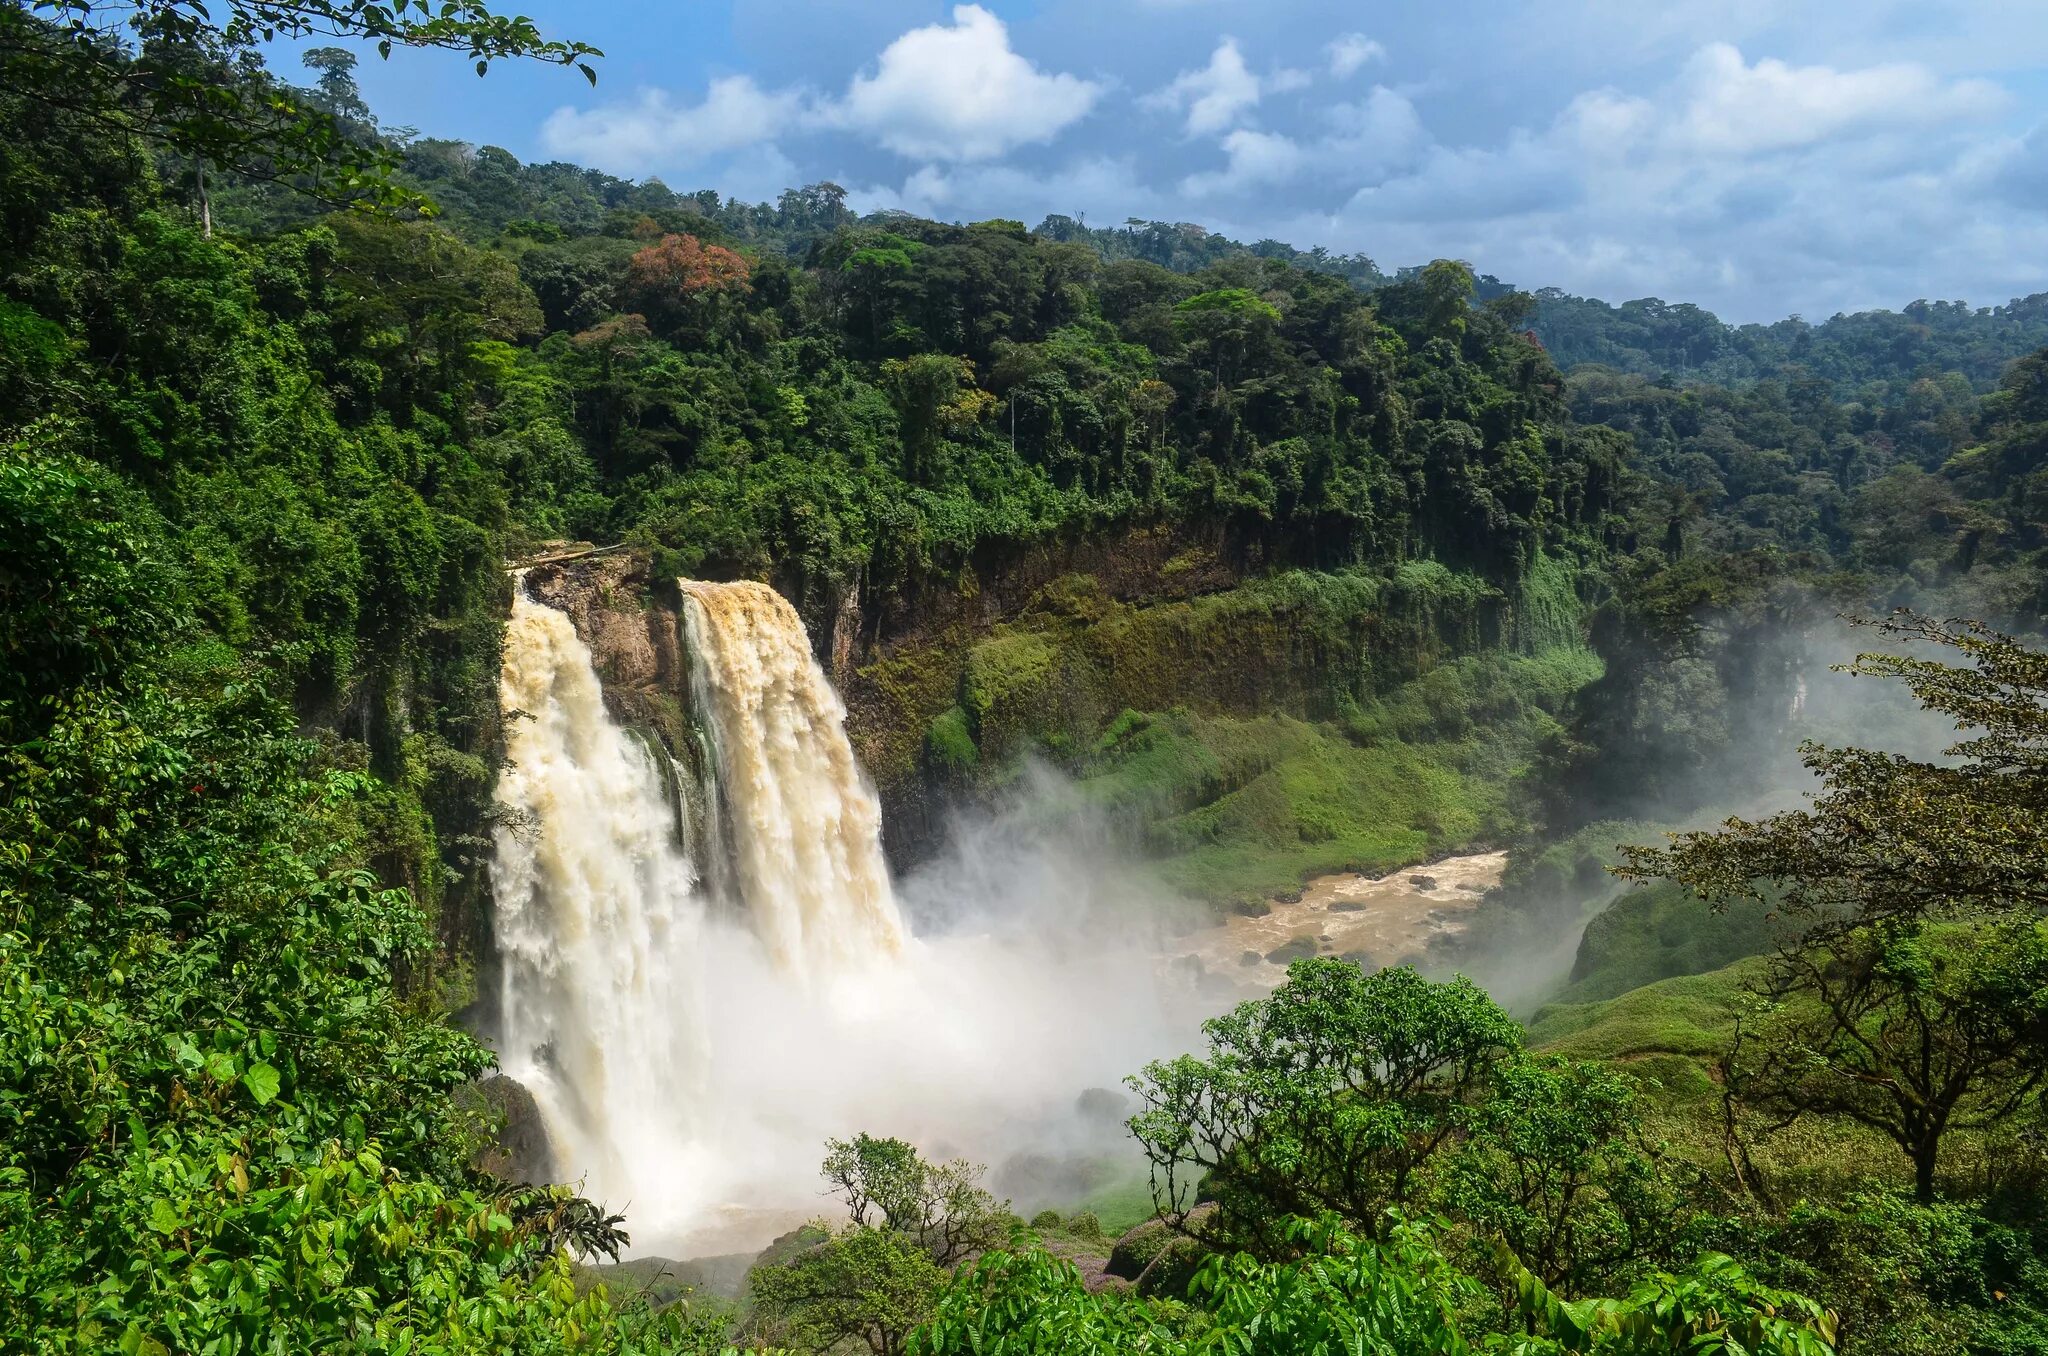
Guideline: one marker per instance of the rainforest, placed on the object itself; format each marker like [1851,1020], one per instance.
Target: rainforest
[591,768]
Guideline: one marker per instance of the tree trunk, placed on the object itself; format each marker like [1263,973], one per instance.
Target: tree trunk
[1923,1170]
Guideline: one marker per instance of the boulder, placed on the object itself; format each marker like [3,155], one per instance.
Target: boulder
[519,1150]
[1293,949]
[1158,1259]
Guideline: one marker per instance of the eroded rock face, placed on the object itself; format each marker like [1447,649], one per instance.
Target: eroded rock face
[629,620]
[522,1151]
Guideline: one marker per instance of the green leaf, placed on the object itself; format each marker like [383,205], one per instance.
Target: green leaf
[262,1081]
[163,1217]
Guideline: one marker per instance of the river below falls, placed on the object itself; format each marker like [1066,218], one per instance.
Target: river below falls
[1377,920]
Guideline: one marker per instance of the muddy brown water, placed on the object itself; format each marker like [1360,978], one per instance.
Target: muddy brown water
[1379,920]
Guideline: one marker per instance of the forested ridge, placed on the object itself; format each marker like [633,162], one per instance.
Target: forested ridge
[1287,564]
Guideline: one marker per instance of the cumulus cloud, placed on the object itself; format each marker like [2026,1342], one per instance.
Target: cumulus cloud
[1738,109]
[652,131]
[1213,97]
[1256,158]
[1349,54]
[960,92]
[1740,185]
[1366,139]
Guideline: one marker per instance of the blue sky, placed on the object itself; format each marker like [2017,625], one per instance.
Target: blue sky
[1760,157]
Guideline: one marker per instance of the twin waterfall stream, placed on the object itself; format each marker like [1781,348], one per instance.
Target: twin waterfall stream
[612,944]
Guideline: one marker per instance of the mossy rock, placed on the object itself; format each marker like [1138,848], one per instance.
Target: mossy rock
[1293,949]
[1156,1259]
[949,745]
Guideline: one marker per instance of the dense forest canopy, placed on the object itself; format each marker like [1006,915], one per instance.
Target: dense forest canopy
[283,392]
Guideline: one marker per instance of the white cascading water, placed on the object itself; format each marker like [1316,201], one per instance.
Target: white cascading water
[805,829]
[598,926]
[690,1054]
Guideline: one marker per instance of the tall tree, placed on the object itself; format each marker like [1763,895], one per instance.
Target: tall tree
[189,84]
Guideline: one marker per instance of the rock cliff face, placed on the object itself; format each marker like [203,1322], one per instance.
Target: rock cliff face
[630,621]
[1043,648]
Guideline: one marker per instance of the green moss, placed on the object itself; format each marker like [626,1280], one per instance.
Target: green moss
[948,745]
[1010,689]
[895,700]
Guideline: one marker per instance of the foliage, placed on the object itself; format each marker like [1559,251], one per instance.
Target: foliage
[1557,1167]
[1894,838]
[940,1207]
[195,85]
[1916,1032]
[872,1286]
[876,1277]
[1330,1096]
[1716,1308]
[222,1125]
[1340,1293]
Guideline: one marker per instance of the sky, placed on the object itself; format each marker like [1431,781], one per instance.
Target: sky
[1757,157]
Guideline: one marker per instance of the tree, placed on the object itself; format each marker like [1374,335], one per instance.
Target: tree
[219,109]
[1895,839]
[1331,1095]
[1914,1031]
[941,1207]
[677,282]
[1447,287]
[1556,1166]
[872,1286]
[1223,327]
[935,398]
[337,86]
[1911,997]
[875,1278]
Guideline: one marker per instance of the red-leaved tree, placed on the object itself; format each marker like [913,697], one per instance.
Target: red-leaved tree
[678,281]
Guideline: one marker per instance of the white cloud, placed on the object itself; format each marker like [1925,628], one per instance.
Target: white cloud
[1256,158]
[960,92]
[1214,96]
[1365,140]
[1751,188]
[1738,109]
[1349,54]
[1374,135]
[650,131]
[1103,187]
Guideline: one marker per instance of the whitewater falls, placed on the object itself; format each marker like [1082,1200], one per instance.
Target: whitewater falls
[705,975]
[805,828]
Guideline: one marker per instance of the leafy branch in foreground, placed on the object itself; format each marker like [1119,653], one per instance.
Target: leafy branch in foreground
[1892,837]
[188,76]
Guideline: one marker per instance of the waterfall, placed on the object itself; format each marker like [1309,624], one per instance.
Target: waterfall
[705,969]
[598,925]
[804,829]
